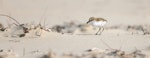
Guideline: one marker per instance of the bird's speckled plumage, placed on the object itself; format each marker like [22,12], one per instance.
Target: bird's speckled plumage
[97,22]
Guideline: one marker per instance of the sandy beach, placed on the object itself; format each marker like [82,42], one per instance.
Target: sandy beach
[128,27]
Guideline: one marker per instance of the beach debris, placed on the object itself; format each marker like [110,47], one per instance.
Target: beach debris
[135,54]
[68,55]
[8,54]
[145,29]
[58,29]
[71,27]
[114,53]
[2,27]
[134,29]
[20,30]
[67,27]
[50,54]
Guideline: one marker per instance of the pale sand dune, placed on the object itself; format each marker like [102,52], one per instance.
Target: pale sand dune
[125,12]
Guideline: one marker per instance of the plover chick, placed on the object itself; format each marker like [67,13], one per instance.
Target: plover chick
[97,22]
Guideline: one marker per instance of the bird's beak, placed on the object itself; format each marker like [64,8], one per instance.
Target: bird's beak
[88,21]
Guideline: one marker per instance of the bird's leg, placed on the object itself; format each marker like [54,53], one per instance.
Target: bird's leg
[98,31]
[102,30]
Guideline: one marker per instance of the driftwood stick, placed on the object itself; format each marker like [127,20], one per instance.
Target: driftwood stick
[24,50]
[105,44]
[10,18]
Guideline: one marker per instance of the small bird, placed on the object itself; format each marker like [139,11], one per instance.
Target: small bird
[97,22]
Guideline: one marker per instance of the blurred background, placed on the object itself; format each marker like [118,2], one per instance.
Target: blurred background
[59,11]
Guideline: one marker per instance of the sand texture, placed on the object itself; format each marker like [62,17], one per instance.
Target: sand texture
[58,29]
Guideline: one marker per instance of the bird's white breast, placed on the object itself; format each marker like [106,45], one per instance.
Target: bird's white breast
[98,23]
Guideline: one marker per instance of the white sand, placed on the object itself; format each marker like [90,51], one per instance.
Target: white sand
[124,12]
